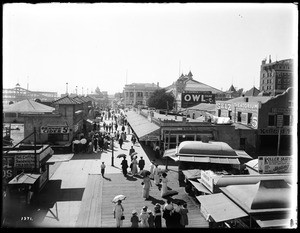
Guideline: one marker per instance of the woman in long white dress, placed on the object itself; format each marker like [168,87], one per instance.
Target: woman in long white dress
[164,189]
[164,181]
[151,169]
[118,212]
[134,169]
[156,174]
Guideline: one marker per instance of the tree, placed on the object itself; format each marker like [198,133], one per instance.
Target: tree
[161,100]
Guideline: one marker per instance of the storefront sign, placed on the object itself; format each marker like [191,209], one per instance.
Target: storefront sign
[225,106]
[7,163]
[207,180]
[246,106]
[25,161]
[287,111]
[194,98]
[275,131]
[55,129]
[274,164]
[239,106]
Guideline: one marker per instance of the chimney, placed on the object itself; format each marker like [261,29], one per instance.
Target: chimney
[157,84]
[270,61]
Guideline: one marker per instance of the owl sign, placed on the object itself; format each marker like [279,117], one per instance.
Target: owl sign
[194,98]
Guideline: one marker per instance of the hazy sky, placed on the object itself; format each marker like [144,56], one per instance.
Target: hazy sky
[105,45]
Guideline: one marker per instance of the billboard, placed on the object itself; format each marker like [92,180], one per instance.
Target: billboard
[194,98]
[274,164]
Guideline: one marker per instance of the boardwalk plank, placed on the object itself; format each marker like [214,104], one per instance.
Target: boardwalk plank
[97,207]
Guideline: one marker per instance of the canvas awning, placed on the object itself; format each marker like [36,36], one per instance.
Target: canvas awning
[192,173]
[272,221]
[25,178]
[143,128]
[220,207]
[202,159]
[60,158]
[200,187]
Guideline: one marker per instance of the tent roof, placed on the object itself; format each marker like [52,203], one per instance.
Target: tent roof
[264,196]
[28,106]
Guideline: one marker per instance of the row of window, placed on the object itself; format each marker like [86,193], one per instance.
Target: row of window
[138,94]
[285,81]
[287,120]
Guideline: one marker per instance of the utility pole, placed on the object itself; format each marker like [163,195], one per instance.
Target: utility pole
[35,157]
[112,151]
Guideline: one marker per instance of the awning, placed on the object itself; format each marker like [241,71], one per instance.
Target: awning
[272,221]
[143,128]
[200,187]
[192,173]
[208,159]
[171,153]
[60,158]
[25,178]
[220,207]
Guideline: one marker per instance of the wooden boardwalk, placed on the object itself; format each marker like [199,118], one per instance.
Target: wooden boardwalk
[97,208]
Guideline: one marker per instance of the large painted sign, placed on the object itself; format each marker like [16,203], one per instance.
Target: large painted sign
[275,131]
[193,98]
[274,164]
[25,161]
[207,180]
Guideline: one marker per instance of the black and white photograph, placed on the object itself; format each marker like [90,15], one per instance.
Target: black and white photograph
[150,115]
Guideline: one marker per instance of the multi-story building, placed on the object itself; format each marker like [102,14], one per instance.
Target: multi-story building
[276,77]
[138,93]
[16,94]
[186,84]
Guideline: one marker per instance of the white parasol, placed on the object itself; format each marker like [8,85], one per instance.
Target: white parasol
[118,197]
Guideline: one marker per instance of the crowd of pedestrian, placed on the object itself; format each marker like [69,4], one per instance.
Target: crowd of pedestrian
[174,215]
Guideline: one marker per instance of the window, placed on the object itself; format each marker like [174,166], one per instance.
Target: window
[286,120]
[272,119]
[242,143]
[239,117]
[279,81]
[249,118]
[131,94]
[230,115]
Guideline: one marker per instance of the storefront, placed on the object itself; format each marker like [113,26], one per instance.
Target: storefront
[26,160]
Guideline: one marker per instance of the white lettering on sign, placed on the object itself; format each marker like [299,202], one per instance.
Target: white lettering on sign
[25,161]
[55,129]
[191,99]
[7,163]
[274,164]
